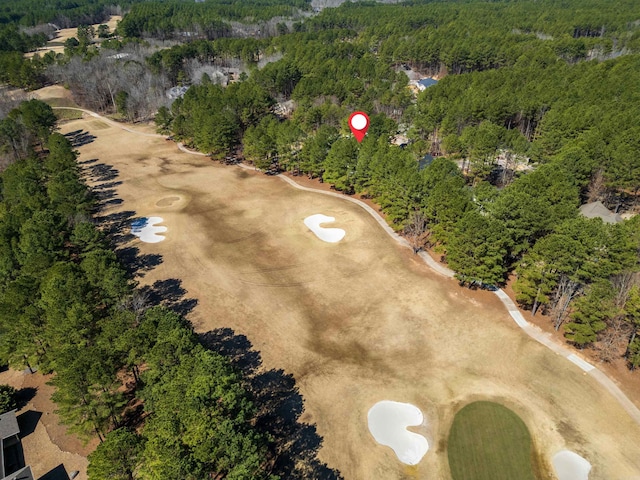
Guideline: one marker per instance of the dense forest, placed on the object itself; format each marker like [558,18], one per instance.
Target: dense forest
[68,306]
[197,20]
[31,13]
[26,25]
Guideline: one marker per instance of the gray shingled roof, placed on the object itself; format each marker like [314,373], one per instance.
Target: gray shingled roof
[598,210]
[22,474]
[427,82]
[8,425]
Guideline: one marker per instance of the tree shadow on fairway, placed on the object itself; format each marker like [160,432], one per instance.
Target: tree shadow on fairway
[79,138]
[117,226]
[108,185]
[136,263]
[104,196]
[102,172]
[105,193]
[88,162]
[279,406]
[170,294]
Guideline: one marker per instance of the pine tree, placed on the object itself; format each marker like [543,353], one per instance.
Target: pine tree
[590,314]
[477,250]
[117,457]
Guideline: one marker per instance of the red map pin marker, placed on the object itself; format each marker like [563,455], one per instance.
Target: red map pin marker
[359,124]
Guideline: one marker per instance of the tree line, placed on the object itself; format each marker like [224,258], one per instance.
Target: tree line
[69,307]
[29,13]
[470,36]
[210,20]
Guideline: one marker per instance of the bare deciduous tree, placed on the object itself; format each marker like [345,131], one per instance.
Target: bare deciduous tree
[622,284]
[137,302]
[613,343]
[96,83]
[416,231]
[10,98]
[196,69]
[566,291]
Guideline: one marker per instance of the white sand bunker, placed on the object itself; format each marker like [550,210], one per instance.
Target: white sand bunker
[570,466]
[331,235]
[146,230]
[388,422]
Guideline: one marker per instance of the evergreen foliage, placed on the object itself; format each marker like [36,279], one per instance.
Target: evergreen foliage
[68,306]
[7,398]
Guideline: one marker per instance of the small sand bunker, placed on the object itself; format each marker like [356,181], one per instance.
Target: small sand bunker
[146,230]
[167,201]
[388,422]
[570,466]
[331,235]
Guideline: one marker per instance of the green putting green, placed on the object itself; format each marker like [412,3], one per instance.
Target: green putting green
[488,441]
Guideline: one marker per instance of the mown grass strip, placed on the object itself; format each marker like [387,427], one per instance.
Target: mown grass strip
[488,441]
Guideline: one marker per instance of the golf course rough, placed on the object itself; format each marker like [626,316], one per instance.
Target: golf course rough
[487,441]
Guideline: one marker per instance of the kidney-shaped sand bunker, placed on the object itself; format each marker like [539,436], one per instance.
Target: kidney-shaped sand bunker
[388,422]
[330,235]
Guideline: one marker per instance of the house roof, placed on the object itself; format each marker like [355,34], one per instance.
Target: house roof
[22,474]
[425,161]
[598,210]
[427,82]
[8,425]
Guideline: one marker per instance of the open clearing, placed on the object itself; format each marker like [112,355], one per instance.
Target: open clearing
[355,322]
[489,442]
[46,443]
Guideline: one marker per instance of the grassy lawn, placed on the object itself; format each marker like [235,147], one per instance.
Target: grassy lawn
[488,441]
[60,102]
[64,114]
[67,114]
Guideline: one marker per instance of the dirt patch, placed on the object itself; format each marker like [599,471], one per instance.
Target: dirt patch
[355,322]
[46,443]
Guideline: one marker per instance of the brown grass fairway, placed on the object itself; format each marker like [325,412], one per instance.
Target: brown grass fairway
[355,322]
